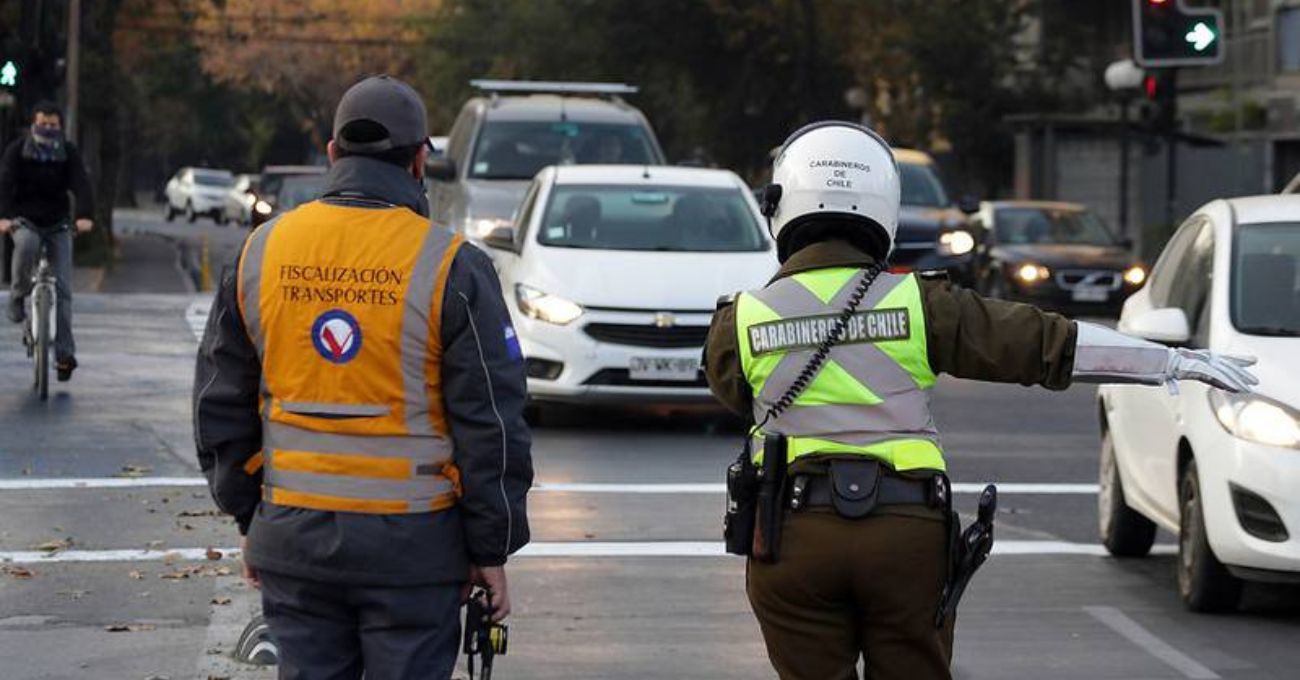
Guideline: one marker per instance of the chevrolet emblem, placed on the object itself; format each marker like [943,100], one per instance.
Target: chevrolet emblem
[665,320]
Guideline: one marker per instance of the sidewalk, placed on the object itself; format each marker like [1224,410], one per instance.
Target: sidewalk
[144,264]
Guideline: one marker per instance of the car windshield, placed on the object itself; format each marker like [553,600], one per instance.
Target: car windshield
[213,179]
[668,218]
[517,150]
[921,187]
[1266,279]
[1035,226]
[298,189]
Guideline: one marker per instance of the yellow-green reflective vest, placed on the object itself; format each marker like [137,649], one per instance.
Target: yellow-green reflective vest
[871,395]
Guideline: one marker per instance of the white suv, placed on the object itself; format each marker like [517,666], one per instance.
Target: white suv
[613,273]
[1220,470]
[198,191]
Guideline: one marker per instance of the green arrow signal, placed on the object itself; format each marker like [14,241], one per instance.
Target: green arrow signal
[1201,36]
[9,74]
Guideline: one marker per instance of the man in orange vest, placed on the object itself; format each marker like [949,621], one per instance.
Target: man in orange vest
[358,408]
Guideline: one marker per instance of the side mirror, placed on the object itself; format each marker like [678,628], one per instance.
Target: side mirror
[1167,325]
[968,204]
[501,238]
[441,169]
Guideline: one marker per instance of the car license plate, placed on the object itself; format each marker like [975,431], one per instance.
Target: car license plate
[683,369]
[1090,294]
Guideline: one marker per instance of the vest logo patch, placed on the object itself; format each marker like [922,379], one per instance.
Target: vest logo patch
[337,336]
[877,325]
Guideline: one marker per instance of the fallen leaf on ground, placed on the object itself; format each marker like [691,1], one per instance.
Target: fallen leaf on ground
[221,600]
[17,572]
[154,544]
[54,546]
[129,627]
[213,554]
[135,574]
[133,471]
[75,594]
[199,513]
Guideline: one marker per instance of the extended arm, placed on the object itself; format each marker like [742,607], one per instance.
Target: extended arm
[1102,355]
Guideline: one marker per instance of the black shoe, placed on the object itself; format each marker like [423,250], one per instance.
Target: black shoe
[65,367]
[16,311]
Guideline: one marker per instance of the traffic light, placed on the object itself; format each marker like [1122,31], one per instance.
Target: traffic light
[9,74]
[1165,33]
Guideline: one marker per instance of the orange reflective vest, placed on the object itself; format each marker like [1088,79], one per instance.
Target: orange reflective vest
[344,307]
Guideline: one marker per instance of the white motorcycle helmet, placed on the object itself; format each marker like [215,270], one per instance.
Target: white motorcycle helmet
[834,170]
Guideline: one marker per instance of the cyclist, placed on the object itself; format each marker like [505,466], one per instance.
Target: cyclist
[37,172]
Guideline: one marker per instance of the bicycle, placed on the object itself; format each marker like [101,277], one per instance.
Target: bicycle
[40,328]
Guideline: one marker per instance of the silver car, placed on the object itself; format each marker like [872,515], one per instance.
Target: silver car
[502,139]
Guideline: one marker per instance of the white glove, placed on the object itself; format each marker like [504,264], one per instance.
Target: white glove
[1102,355]
[1224,371]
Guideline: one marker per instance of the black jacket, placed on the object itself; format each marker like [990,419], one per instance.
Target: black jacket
[484,388]
[38,190]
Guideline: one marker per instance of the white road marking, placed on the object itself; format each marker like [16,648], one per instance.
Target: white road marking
[543,549]
[1119,622]
[98,483]
[557,487]
[197,317]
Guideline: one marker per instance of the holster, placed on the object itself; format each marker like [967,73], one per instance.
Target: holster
[967,553]
[771,499]
[742,503]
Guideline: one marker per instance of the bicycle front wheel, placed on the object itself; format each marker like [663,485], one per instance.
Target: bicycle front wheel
[44,303]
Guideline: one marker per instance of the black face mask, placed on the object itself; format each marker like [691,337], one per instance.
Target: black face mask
[48,135]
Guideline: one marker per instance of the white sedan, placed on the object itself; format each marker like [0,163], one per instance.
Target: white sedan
[1221,471]
[613,273]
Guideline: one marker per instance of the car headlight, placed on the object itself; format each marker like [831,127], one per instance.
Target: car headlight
[1135,275]
[956,242]
[480,228]
[1256,419]
[545,307]
[1032,273]
[262,208]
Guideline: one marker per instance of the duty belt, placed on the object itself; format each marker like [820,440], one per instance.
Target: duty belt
[854,486]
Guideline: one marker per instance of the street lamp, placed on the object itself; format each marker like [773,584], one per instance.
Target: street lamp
[1123,78]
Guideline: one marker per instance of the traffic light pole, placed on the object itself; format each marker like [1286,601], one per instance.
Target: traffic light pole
[1171,147]
[1123,166]
[73,75]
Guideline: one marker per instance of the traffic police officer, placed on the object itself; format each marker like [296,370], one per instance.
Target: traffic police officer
[359,410]
[864,553]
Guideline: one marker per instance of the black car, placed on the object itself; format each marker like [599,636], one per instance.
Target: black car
[1055,255]
[271,189]
[933,232]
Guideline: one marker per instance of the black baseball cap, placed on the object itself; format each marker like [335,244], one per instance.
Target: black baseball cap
[387,102]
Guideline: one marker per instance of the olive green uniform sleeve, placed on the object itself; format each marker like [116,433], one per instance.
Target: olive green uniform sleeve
[978,338]
[722,363]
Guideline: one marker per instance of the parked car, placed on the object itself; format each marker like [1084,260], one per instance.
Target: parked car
[1055,255]
[197,191]
[1219,470]
[500,141]
[268,188]
[240,199]
[933,230]
[292,191]
[613,273]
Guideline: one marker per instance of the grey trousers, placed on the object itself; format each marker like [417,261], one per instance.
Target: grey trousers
[58,248]
[329,631]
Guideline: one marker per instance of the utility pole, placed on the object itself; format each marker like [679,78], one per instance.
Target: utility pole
[1170,115]
[1124,78]
[73,75]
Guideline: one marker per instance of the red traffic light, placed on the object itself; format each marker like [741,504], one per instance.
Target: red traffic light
[1158,2]
[1150,86]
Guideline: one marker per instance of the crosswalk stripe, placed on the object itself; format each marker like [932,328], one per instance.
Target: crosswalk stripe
[539,549]
[34,484]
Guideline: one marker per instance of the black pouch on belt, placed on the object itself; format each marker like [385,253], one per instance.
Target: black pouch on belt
[854,486]
[771,499]
[742,501]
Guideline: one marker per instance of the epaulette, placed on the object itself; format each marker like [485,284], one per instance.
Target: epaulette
[934,275]
[725,301]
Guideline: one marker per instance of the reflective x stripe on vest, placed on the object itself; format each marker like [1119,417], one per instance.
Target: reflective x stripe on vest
[870,397]
[344,305]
